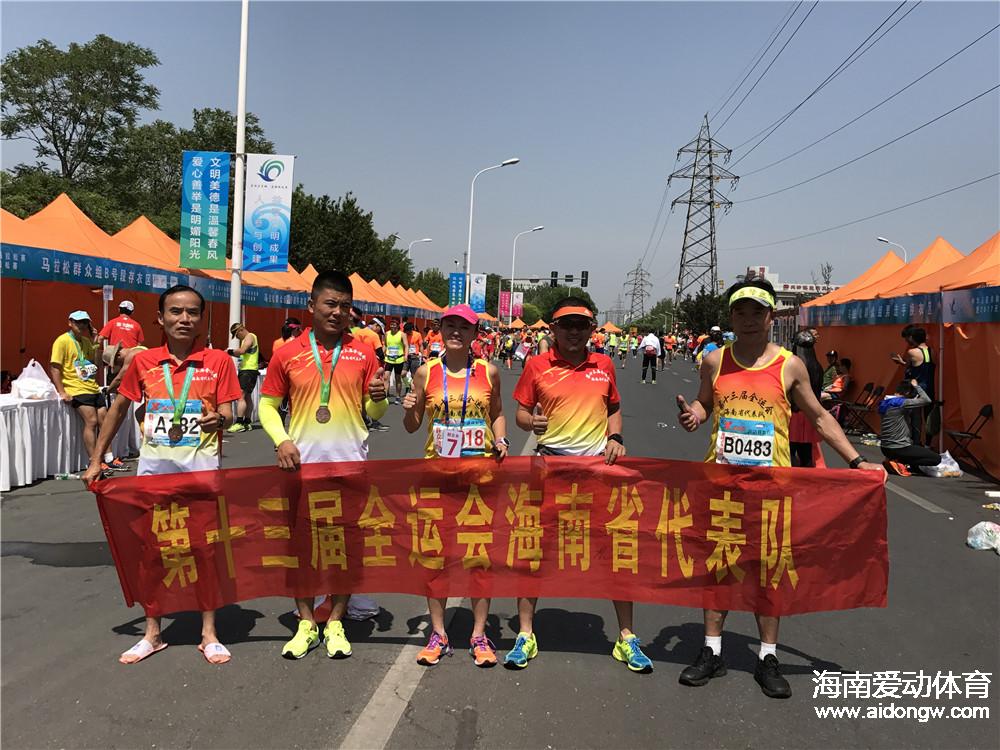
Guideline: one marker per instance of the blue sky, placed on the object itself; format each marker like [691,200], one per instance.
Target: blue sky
[402,103]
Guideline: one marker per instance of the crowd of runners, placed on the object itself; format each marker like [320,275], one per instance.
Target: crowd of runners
[332,377]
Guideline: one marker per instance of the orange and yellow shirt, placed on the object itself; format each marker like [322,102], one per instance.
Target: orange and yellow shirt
[292,373]
[575,400]
[434,343]
[213,382]
[414,344]
[752,413]
[477,428]
[364,335]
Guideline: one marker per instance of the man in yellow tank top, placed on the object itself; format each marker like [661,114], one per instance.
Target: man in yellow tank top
[248,352]
[746,393]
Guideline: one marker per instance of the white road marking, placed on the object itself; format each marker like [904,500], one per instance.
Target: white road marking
[686,380]
[915,499]
[374,727]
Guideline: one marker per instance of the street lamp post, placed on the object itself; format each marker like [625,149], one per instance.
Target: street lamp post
[896,244]
[410,246]
[472,202]
[513,257]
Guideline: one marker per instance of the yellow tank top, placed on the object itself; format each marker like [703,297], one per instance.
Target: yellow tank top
[477,428]
[752,412]
[395,347]
[250,359]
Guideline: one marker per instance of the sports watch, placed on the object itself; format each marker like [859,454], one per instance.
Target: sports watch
[617,438]
[856,462]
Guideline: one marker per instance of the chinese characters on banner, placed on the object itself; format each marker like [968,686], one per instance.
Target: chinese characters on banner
[503,308]
[517,300]
[267,217]
[477,292]
[204,209]
[456,289]
[774,541]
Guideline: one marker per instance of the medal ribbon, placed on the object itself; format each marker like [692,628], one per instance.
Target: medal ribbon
[465,396]
[324,390]
[180,403]
[80,359]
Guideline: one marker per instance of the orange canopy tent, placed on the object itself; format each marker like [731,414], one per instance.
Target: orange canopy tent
[885,266]
[936,257]
[309,274]
[957,275]
[487,317]
[611,327]
[538,325]
[517,323]
[428,303]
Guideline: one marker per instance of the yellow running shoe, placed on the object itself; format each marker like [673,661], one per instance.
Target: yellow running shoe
[525,648]
[337,645]
[306,638]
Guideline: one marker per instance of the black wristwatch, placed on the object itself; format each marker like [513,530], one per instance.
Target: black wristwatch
[617,438]
[856,462]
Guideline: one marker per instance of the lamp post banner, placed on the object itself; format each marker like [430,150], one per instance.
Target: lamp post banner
[503,309]
[204,209]
[456,289]
[517,300]
[477,292]
[267,212]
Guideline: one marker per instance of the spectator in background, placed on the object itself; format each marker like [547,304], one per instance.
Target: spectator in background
[248,352]
[122,329]
[802,436]
[841,382]
[902,453]
[830,373]
[918,366]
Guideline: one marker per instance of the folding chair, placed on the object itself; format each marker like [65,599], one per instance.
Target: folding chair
[962,440]
[856,418]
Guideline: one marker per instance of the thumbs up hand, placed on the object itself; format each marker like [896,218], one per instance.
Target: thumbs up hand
[686,416]
[377,389]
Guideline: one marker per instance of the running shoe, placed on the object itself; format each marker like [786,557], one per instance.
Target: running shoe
[305,638]
[768,676]
[483,651]
[436,647]
[337,645]
[118,465]
[629,652]
[236,427]
[525,649]
[378,426]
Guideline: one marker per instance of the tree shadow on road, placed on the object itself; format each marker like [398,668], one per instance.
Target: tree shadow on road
[679,644]
[563,631]
[232,622]
[60,554]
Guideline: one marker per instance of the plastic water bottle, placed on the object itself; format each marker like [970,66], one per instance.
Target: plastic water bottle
[64,475]
[662,425]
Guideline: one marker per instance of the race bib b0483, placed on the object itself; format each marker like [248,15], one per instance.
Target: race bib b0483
[745,442]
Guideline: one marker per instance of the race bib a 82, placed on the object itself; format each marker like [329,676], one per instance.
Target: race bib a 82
[745,442]
[156,426]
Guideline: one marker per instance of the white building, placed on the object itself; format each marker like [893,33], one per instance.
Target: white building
[788,294]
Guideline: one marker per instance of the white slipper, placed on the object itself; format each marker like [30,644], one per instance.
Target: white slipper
[140,651]
[215,653]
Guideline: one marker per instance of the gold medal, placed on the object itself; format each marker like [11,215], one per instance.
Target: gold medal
[323,415]
[175,433]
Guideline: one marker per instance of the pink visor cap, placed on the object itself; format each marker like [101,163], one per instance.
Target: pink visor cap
[464,312]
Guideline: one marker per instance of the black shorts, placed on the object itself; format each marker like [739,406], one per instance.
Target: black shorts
[93,400]
[413,364]
[396,367]
[248,379]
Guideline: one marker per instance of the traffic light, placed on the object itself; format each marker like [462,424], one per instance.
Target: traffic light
[584,276]
[569,279]
[555,279]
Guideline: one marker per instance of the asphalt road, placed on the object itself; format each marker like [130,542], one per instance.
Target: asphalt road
[64,625]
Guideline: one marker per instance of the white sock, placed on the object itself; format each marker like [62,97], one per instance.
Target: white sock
[109,457]
[768,648]
[714,642]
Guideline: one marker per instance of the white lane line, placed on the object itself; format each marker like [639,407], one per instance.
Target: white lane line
[916,499]
[530,445]
[686,380]
[376,723]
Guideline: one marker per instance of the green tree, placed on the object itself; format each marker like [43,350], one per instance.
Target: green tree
[546,297]
[530,313]
[71,103]
[493,281]
[701,312]
[659,317]
[433,283]
[27,190]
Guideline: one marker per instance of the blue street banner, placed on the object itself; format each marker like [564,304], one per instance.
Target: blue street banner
[267,214]
[456,289]
[477,292]
[917,308]
[204,209]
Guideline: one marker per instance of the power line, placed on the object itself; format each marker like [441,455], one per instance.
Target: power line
[844,65]
[773,61]
[659,213]
[866,218]
[775,33]
[872,109]
[874,150]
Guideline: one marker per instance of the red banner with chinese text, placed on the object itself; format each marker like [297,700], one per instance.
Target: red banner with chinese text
[774,541]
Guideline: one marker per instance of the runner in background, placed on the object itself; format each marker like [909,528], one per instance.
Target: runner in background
[623,348]
[363,333]
[569,399]
[395,356]
[248,352]
[460,393]
[917,365]
[123,329]
[73,369]
[432,341]
[331,379]
[746,391]
[414,347]
[188,391]
[650,346]
[633,344]
[670,343]
[291,328]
